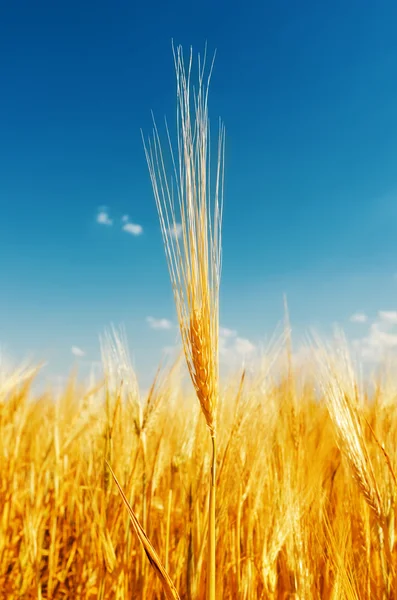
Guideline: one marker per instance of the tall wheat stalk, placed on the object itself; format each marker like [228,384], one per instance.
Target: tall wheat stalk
[193,246]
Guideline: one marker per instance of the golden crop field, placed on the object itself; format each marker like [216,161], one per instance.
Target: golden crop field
[277,481]
[305,502]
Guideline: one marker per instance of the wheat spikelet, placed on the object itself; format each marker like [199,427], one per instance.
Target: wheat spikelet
[194,257]
[344,414]
[352,442]
[202,373]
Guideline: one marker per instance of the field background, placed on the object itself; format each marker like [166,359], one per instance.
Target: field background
[305,500]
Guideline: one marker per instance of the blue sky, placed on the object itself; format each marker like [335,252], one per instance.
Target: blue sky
[308,94]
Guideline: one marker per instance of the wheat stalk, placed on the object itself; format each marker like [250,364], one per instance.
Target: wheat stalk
[194,257]
[168,587]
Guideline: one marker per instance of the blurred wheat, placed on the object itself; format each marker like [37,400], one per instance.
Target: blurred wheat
[306,496]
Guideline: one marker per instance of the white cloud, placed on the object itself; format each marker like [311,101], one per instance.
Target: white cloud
[103,218]
[133,228]
[227,333]
[359,317]
[159,323]
[233,348]
[77,351]
[381,338]
[388,316]
[243,346]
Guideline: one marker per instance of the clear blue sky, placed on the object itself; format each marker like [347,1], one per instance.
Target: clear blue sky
[308,93]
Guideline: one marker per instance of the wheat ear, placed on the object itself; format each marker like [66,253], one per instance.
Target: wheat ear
[193,246]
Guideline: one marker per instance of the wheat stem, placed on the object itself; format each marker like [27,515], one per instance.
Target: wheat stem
[212,523]
[167,535]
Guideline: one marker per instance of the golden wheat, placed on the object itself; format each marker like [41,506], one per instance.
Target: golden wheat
[292,519]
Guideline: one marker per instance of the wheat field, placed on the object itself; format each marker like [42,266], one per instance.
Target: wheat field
[305,484]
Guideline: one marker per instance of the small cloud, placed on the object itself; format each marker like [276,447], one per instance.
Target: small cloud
[175,230]
[376,345]
[77,351]
[359,317]
[103,218]
[227,333]
[159,323]
[133,228]
[381,338]
[125,218]
[243,346]
[388,316]
[233,348]
[384,339]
